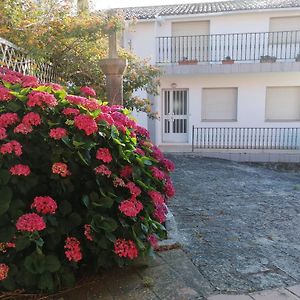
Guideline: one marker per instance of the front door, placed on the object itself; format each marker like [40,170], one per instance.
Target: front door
[175,116]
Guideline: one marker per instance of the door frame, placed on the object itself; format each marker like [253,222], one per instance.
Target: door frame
[187,115]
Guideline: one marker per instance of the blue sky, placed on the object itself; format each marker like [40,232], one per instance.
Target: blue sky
[104,4]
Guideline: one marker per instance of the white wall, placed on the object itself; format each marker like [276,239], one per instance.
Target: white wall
[251,98]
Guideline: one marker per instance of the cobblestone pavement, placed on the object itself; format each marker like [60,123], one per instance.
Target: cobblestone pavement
[240,224]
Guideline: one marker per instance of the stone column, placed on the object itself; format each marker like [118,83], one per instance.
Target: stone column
[113,68]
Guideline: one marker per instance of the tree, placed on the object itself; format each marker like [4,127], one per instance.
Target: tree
[74,45]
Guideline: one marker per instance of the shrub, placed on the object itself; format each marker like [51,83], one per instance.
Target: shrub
[81,185]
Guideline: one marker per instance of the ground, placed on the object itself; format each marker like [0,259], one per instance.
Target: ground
[239,224]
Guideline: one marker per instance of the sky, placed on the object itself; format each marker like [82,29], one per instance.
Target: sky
[105,4]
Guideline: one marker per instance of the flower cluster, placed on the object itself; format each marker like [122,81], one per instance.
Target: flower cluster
[72,249]
[44,205]
[4,269]
[61,169]
[127,249]
[131,208]
[20,170]
[10,147]
[41,99]
[86,123]
[103,170]
[58,133]
[104,155]
[30,222]
[88,232]
[5,94]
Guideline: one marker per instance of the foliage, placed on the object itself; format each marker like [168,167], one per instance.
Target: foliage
[81,185]
[74,45]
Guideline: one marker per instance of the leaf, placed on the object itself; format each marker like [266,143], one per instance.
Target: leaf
[82,158]
[35,263]
[85,199]
[4,177]
[52,263]
[6,196]
[7,233]
[65,207]
[13,106]
[74,219]
[103,223]
[46,282]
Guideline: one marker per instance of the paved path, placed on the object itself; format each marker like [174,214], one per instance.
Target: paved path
[240,224]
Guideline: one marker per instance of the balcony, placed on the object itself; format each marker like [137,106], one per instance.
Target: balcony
[256,47]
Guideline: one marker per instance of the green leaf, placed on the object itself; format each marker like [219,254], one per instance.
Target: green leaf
[74,219]
[7,233]
[4,177]
[6,196]
[52,263]
[106,202]
[35,263]
[13,106]
[46,282]
[82,158]
[85,199]
[65,207]
[100,222]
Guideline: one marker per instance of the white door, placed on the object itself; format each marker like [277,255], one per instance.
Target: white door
[175,116]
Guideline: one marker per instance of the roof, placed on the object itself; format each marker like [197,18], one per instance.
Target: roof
[151,12]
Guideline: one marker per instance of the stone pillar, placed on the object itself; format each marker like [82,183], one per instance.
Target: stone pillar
[113,68]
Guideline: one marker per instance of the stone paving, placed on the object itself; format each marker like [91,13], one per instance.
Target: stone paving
[240,224]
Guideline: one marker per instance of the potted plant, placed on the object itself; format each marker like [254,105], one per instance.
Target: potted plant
[267,59]
[297,58]
[228,61]
[186,61]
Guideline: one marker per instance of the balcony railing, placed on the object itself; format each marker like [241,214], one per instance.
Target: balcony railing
[240,47]
[245,138]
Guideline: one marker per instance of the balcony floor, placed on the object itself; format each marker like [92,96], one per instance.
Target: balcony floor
[237,67]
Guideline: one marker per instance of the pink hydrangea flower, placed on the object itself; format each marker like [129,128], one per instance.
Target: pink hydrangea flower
[30,222]
[5,94]
[3,134]
[10,147]
[169,165]
[169,188]
[60,169]
[126,171]
[4,269]
[118,182]
[131,208]
[73,251]
[156,197]
[152,240]
[142,131]
[105,117]
[41,99]
[71,111]
[22,128]
[58,133]
[160,213]
[139,151]
[104,155]
[86,123]
[44,205]
[126,248]
[103,170]
[11,78]
[88,231]
[134,190]
[88,91]
[32,119]
[156,173]
[20,170]
[29,81]
[8,119]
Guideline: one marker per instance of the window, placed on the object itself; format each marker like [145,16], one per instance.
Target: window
[283,104]
[219,104]
[285,30]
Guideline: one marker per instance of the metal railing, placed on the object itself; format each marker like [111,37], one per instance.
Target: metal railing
[16,59]
[245,138]
[242,47]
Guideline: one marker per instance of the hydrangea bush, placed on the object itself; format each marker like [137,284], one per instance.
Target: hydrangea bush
[81,185]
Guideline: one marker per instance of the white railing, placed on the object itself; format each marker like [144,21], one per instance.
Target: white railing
[16,59]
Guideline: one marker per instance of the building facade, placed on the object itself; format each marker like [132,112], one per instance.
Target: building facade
[230,73]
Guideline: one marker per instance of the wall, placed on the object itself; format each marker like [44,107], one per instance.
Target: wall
[251,98]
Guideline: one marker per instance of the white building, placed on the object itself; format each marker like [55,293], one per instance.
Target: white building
[251,100]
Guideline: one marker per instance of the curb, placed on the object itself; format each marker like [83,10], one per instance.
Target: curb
[173,240]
